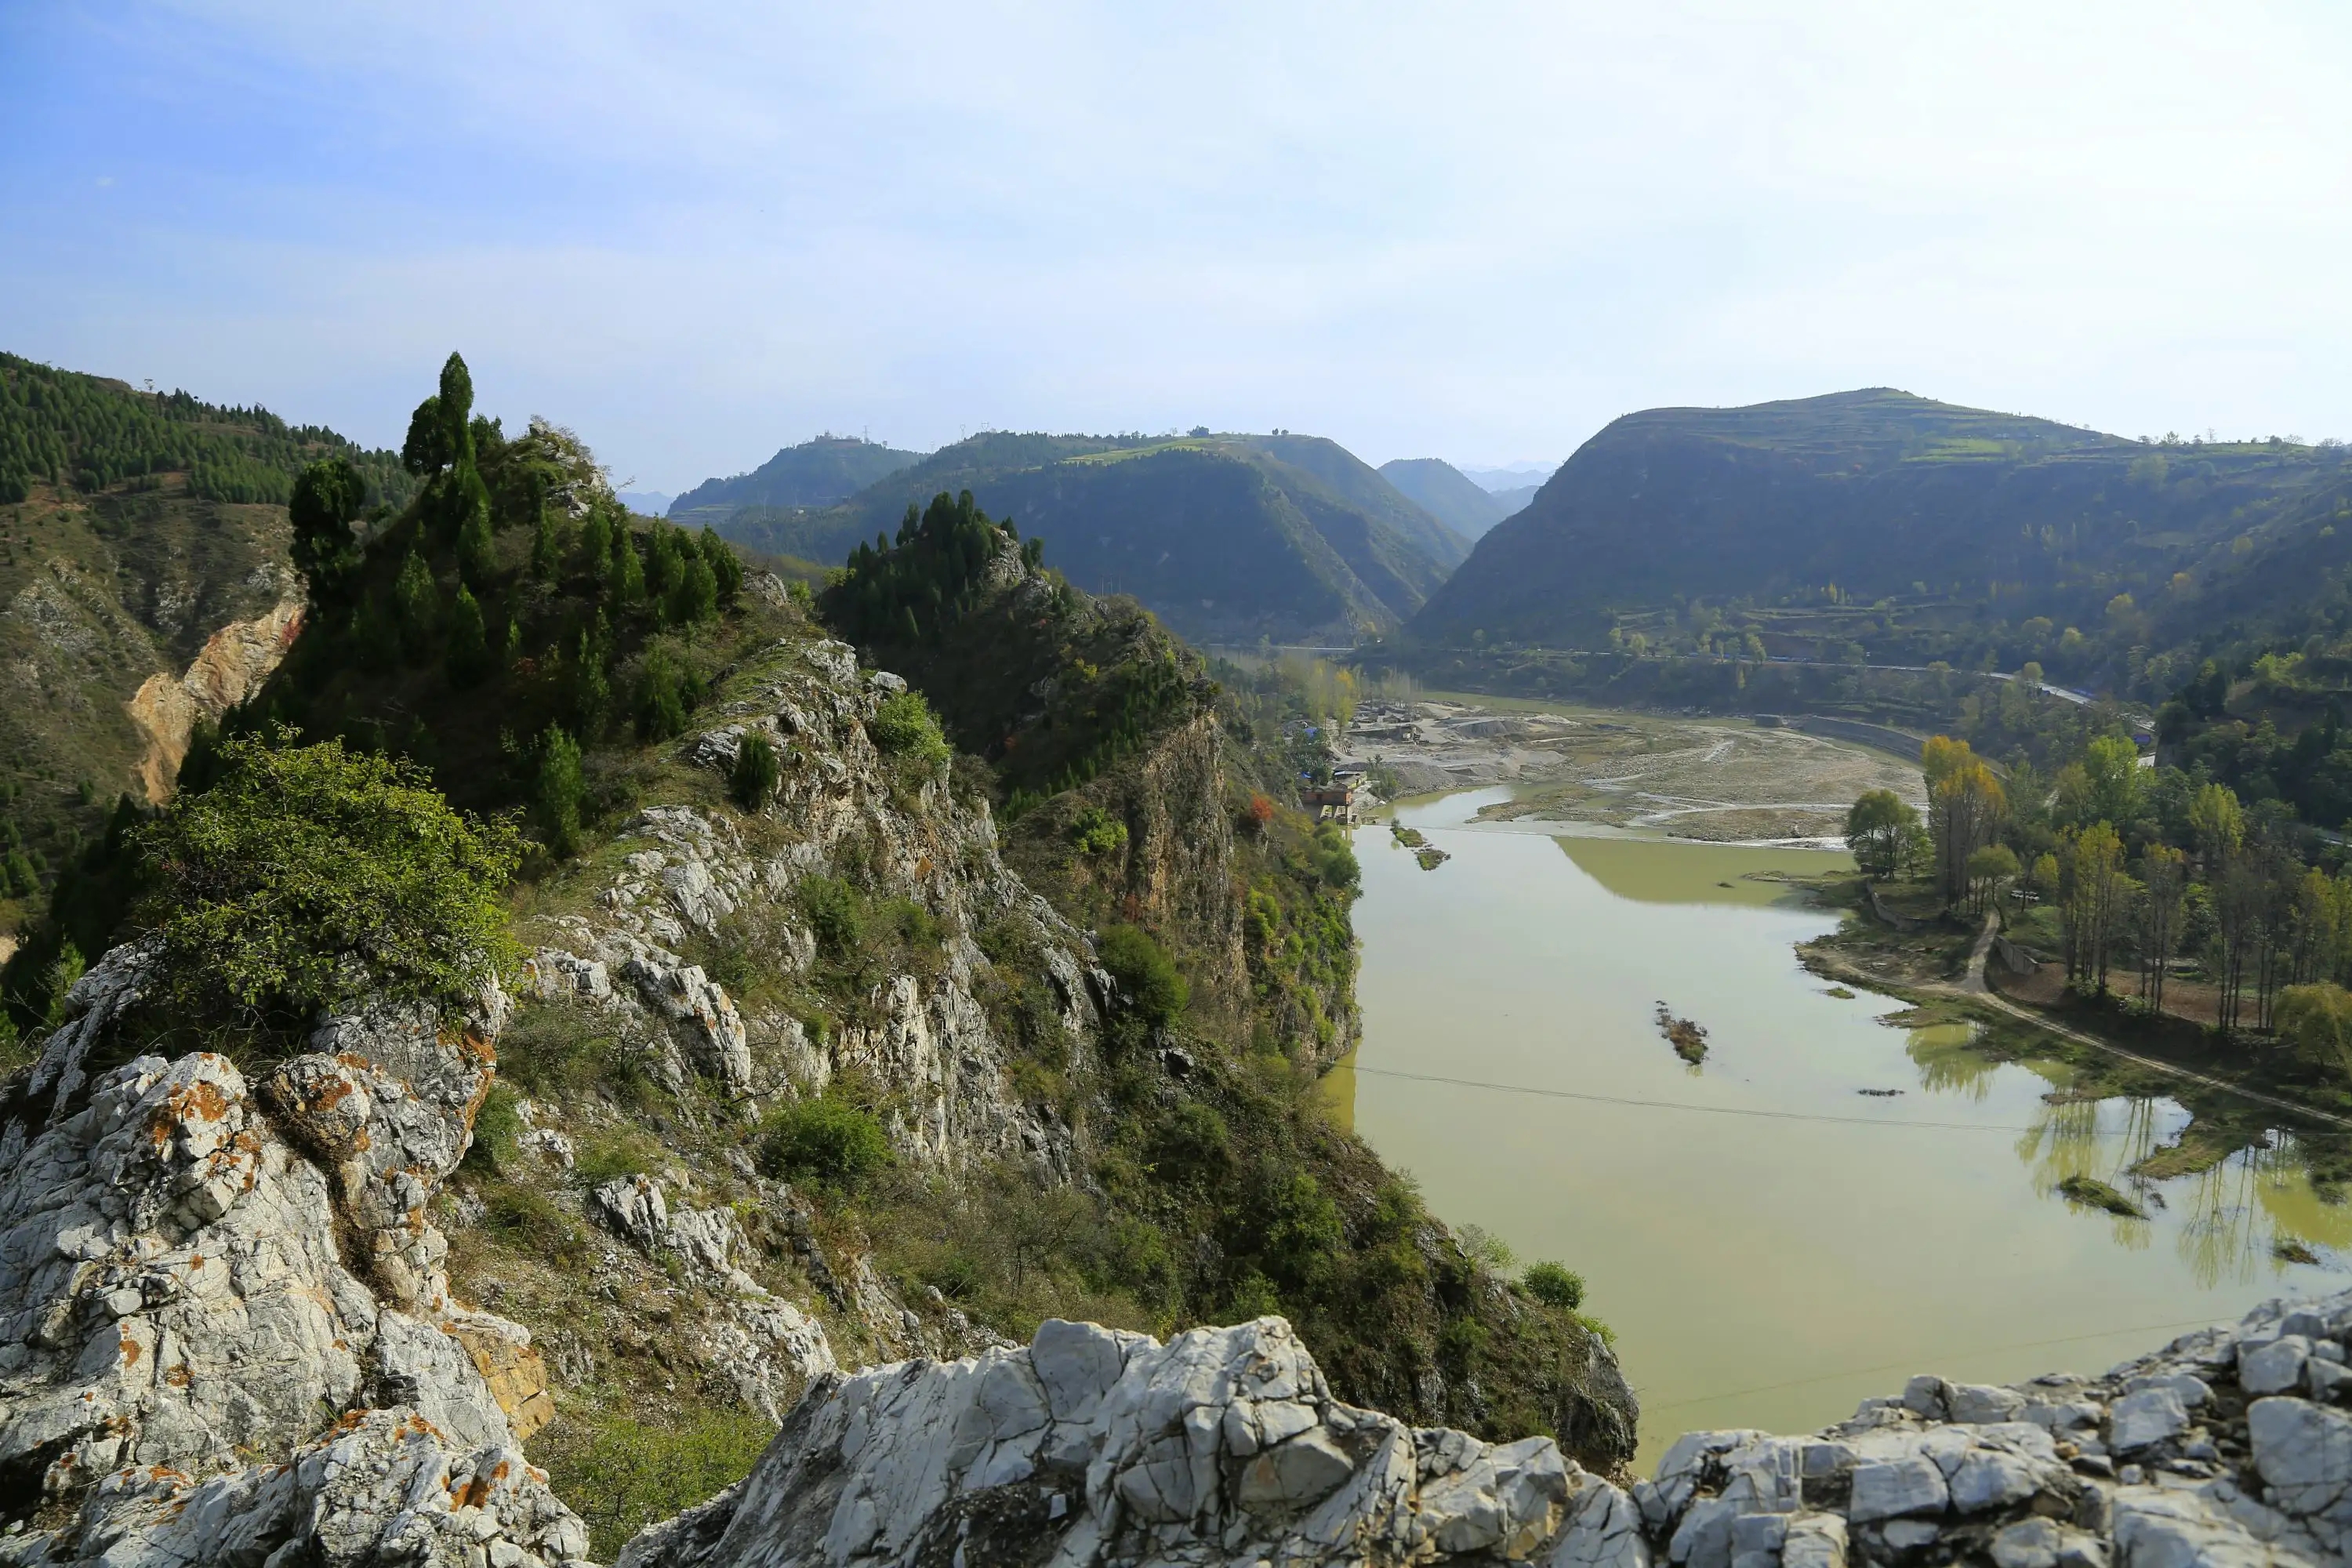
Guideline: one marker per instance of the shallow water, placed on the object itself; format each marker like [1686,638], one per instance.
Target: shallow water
[1769,1244]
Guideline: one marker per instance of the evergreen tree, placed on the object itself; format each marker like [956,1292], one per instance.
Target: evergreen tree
[558,790]
[663,565]
[696,598]
[417,605]
[625,580]
[326,500]
[426,451]
[661,697]
[477,557]
[589,680]
[470,648]
[546,547]
[753,778]
[726,566]
[596,542]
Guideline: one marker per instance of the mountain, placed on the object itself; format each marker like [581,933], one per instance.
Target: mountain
[829,1014]
[1517,476]
[816,473]
[1515,500]
[145,583]
[1442,490]
[1879,524]
[646,503]
[1227,538]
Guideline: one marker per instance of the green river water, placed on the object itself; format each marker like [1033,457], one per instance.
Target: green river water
[1769,1244]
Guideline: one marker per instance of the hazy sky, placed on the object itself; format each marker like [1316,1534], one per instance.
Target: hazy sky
[1468,230]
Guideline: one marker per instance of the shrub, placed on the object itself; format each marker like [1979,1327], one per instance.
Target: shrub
[526,1219]
[1147,978]
[2315,1022]
[756,772]
[1097,832]
[834,915]
[903,726]
[629,1474]
[497,1126]
[828,1141]
[1555,1285]
[310,877]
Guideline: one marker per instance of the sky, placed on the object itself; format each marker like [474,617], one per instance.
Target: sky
[1475,230]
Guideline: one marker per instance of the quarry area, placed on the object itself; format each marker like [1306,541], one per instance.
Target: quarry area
[1735,780]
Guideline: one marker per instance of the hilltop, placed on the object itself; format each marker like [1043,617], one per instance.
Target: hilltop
[1879,524]
[816,473]
[1227,538]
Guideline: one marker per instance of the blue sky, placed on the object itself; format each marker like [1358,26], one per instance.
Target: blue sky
[1476,231]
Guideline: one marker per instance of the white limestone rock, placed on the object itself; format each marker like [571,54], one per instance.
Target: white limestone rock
[1100,1448]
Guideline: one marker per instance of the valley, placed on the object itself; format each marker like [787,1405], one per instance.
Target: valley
[1832,1198]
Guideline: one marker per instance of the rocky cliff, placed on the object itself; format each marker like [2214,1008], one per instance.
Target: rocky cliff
[1225,1445]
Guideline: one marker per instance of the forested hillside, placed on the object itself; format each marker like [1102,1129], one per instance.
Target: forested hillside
[1447,494]
[1883,527]
[133,527]
[816,473]
[936,1032]
[1227,538]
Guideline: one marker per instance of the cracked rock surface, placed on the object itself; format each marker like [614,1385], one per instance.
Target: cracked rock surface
[1091,1448]
[229,1332]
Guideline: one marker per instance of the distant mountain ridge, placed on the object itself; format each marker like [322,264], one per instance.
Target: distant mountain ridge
[1446,493]
[1923,530]
[816,473]
[1226,537]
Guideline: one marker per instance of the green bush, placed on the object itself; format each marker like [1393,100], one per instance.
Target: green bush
[831,907]
[828,1141]
[903,726]
[621,1153]
[558,790]
[1147,978]
[1097,832]
[756,772]
[1555,1285]
[309,878]
[497,1127]
[629,1474]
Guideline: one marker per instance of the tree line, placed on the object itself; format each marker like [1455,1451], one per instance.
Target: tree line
[63,428]
[2143,870]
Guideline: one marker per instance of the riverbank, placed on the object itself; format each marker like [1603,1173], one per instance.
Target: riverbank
[1824,1197]
[1726,781]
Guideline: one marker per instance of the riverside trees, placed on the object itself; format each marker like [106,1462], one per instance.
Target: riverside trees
[2122,867]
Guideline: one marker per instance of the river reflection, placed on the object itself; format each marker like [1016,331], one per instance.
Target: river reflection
[1782,1233]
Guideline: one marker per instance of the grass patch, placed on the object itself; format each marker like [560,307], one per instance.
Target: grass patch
[628,1474]
[2089,1191]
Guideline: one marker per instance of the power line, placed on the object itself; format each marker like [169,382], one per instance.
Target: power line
[1687,1105]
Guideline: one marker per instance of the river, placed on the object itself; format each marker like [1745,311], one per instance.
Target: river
[1769,1244]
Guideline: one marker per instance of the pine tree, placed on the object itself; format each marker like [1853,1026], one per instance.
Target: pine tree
[417,605]
[326,500]
[470,648]
[661,699]
[558,790]
[696,598]
[625,582]
[476,556]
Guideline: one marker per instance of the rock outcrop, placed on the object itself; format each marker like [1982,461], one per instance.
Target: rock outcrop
[1224,1445]
[842,809]
[228,1328]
